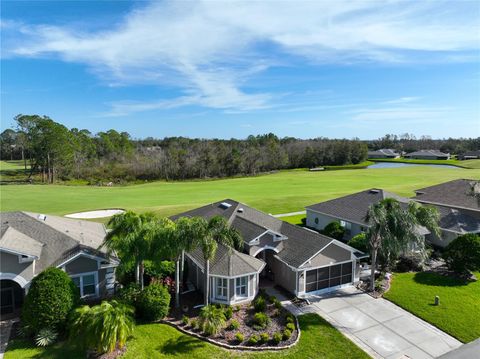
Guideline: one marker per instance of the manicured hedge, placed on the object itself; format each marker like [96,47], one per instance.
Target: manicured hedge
[154,302]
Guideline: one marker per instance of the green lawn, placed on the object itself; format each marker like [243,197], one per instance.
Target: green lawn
[296,219]
[282,192]
[12,165]
[459,311]
[318,340]
[463,164]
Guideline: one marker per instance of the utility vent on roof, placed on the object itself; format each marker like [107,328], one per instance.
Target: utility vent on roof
[374,191]
[42,217]
[240,210]
[225,205]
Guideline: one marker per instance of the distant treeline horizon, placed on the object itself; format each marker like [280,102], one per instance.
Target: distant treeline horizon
[56,152]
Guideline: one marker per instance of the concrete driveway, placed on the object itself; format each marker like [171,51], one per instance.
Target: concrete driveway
[381,328]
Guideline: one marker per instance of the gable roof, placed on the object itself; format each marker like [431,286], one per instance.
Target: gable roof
[384,152]
[459,221]
[434,153]
[456,194]
[57,237]
[354,207]
[19,243]
[299,246]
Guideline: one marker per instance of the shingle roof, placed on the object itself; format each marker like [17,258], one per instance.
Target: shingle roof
[59,237]
[435,153]
[384,152]
[229,263]
[299,246]
[17,242]
[456,193]
[354,207]
[459,221]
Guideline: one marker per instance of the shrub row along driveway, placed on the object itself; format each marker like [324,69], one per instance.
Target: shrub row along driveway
[380,327]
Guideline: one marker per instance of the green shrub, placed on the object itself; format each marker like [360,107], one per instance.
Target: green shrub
[212,319]
[260,321]
[259,304]
[359,242]
[334,230]
[154,302]
[239,337]
[272,299]
[462,255]
[103,327]
[290,326]
[185,320]
[290,318]
[254,339]
[228,312]
[234,325]
[194,323]
[286,334]
[277,304]
[277,337]
[50,299]
[262,293]
[130,294]
[264,337]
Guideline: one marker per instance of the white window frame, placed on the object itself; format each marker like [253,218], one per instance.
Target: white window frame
[223,288]
[95,281]
[346,225]
[238,286]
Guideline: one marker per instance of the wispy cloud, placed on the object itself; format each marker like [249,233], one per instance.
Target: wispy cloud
[210,50]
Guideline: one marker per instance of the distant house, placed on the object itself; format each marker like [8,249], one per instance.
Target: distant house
[428,155]
[459,208]
[301,261]
[350,211]
[383,153]
[32,242]
[470,155]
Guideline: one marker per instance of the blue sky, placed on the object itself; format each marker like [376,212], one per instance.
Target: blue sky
[230,69]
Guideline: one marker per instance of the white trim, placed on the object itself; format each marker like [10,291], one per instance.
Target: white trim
[235,276]
[309,259]
[257,238]
[95,279]
[22,282]
[325,290]
[216,286]
[90,256]
[328,265]
[247,286]
[9,251]
[265,248]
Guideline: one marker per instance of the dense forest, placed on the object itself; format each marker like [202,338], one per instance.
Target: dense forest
[52,152]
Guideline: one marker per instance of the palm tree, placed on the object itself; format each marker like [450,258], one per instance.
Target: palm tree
[394,229]
[131,237]
[212,233]
[103,327]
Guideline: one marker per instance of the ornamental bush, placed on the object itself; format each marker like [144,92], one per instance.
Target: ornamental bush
[463,254]
[234,325]
[264,337]
[254,339]
[259,304]
[260,321]
[286,334]
[360,242]
[290,326]
[277,337]
[130,294]
[212,319]
[154,302]
[51,298]
[185,320]
[239,337]
[228,312]
[334,230]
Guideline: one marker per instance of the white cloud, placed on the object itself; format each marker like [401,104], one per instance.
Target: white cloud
[209,50]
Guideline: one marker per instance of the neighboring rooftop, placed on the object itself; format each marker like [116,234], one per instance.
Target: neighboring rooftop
[434,153]
[384,152]
[49,238]
[354,207]
[456,193]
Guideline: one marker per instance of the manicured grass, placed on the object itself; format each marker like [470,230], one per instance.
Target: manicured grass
[282,192]
[459,311]
[12,165]
[296,219]
[360,165]
[457,163]
[318,340]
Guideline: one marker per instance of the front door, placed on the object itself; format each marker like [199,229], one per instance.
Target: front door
[7,301]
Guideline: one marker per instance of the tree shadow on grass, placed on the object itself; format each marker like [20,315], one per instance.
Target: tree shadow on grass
[181,345]
[434,279]
[20,347]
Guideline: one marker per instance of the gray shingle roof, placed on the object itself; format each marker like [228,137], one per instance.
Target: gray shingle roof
[354,207]
[434,153]
[60,237]
[229,263]
[300,245]
[459,221]
[17,242]
[383,152]
[456,193]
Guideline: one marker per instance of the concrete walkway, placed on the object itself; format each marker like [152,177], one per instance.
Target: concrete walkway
[381,328]
[289,214]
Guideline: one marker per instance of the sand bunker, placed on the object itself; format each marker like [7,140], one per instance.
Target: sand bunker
[102,213]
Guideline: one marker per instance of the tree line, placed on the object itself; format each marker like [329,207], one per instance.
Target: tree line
[53,152]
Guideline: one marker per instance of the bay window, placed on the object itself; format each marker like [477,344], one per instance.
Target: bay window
[241,289]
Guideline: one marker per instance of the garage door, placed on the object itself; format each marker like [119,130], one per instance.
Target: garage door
[327,277]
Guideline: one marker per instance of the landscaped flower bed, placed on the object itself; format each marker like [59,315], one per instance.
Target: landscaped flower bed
[262,323]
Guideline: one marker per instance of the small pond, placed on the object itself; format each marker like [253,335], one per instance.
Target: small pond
[399,164]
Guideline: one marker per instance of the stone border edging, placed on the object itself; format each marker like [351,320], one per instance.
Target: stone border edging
[234,347]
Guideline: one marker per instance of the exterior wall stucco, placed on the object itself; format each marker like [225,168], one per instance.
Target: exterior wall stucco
[284,275]
[324,220]
[9,264]
[81,265]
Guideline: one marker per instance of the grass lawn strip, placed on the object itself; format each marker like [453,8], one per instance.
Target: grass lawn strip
[282,192]
[459,311]
[318,340]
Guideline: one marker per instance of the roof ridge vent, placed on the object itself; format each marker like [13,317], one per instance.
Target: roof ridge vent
[374,190]
[225,205]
